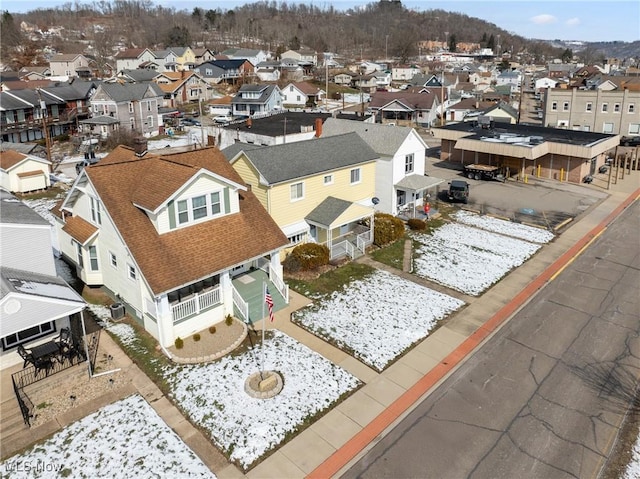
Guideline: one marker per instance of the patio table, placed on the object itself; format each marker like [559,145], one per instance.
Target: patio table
[45,350]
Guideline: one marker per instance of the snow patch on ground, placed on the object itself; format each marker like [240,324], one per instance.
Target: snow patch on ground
[516,230]
[468,259]
[378,317]
[124,438]
[244,427]
[633,468]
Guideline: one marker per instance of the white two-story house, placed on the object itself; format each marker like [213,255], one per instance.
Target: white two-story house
[165,234]
[400,168]
[256,99]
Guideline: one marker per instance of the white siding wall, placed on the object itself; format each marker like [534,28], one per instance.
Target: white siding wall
[30,249]
[108,240]
[384,186]
[18,185]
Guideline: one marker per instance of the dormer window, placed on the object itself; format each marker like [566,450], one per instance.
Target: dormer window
[199,207]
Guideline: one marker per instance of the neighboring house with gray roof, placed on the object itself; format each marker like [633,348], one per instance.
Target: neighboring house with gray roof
[319,190]
[256,99]
[70,65]
[400,169]
[252,55]
[21,112]
[35,303]
[134,105]
[137,76]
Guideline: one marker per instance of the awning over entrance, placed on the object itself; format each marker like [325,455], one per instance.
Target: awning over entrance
[29,299]
[418,182]
[334,212]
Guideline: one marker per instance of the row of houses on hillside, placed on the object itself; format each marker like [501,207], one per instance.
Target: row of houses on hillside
[170,59]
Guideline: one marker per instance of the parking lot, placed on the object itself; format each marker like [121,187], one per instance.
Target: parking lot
[545,203]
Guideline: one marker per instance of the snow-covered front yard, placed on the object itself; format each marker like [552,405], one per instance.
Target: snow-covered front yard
[124,439]
[469,259]
[378,317]
[246,428]
[509,228]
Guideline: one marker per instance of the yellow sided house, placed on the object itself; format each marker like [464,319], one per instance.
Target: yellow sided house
[167,235]
[320,190]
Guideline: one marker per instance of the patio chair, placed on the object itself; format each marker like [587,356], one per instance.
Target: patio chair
[25,355]
[43,364]
[64,340]
[70,353]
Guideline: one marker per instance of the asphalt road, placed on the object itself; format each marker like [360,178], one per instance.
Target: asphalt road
[542,398]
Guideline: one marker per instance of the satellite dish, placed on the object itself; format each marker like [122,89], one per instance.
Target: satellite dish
[375,200]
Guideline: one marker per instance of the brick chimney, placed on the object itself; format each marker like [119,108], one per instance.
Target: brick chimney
[318,127]
[140,146]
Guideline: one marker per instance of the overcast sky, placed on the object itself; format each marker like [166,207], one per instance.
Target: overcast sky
[586,20]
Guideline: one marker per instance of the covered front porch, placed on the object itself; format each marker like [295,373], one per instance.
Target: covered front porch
[346,228]
[210,299]
[413,191]
[249,286]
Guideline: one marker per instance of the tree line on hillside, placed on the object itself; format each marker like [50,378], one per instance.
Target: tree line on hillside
[381,27]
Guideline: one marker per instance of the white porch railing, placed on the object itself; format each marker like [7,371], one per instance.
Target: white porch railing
[241,304]
[363,240]
[198,302]
[279,283]
[342,248]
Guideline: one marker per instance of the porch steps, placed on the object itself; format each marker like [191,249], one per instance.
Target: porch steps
[12,426]
[11,422]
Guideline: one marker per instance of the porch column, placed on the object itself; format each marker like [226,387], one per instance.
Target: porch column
[275,264]
[226,292]
[164,321]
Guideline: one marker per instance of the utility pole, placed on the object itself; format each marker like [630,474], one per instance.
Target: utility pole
[45,128]
[386,55]
[201,121]
[442,98]
[326,79]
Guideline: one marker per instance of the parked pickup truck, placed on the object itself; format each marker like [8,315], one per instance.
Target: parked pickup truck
[484,172]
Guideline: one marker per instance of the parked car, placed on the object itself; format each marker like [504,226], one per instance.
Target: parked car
[191,122]
[630,141]
[458,191]
[222,118]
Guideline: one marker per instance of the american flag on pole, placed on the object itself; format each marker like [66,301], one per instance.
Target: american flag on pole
[269,300]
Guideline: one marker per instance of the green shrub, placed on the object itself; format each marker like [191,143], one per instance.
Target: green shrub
[179,343]
[212,329]
[196,337]
[307,256]
[291,264]
[228,320]
[416,224]
[387,229]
